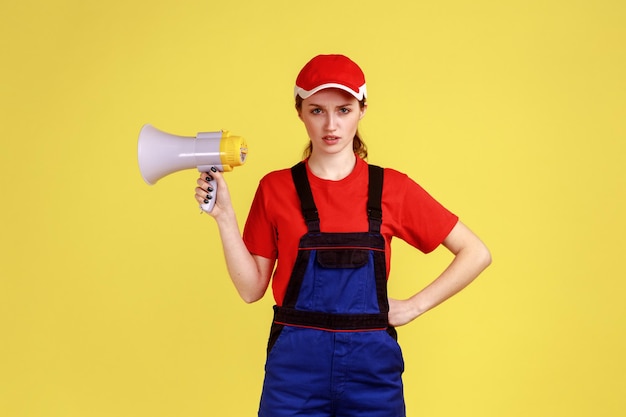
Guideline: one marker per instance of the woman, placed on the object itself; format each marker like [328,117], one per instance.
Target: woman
[324,229]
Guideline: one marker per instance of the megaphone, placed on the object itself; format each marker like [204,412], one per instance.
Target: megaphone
[161,154]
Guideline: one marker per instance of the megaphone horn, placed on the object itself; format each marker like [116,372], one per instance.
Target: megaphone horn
[161,153]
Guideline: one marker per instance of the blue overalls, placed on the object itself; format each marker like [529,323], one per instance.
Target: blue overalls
[331,351]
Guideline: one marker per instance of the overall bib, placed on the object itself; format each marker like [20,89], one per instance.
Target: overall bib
[331,350]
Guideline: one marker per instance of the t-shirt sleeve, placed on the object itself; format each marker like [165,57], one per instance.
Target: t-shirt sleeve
[259,233]
[417,217]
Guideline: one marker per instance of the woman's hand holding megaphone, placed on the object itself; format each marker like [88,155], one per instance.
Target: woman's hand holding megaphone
[207,196]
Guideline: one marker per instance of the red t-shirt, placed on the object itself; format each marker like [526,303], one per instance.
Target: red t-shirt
[275,223]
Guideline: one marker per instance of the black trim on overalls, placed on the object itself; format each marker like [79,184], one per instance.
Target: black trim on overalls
[324,243]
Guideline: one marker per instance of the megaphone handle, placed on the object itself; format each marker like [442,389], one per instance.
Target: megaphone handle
[207,207]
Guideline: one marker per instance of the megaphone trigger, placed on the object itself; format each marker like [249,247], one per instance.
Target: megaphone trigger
[209,201]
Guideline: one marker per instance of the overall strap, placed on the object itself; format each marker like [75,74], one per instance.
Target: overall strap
[309,210]
[374,199]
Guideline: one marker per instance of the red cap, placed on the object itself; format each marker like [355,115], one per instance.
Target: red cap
[330,71]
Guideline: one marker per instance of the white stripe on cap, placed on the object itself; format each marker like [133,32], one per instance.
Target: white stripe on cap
[360,95]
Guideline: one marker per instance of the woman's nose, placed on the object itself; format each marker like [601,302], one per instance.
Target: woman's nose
[331,122]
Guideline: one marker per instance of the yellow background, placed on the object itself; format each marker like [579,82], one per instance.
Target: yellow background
[114,299]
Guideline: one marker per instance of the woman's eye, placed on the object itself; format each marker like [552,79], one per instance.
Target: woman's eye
[316,111]
[344,110]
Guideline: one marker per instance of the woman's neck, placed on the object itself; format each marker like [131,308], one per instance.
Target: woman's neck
[332,167]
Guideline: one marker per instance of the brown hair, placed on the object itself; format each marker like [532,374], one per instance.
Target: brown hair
[358,145]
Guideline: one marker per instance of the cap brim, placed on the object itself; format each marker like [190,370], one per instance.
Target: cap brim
[359,95]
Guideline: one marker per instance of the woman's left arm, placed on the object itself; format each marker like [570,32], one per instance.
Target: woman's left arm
[471,257]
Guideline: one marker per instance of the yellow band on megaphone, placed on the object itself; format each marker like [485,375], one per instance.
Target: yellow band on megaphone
[233,151]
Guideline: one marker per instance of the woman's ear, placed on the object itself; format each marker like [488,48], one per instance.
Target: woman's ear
[363,110]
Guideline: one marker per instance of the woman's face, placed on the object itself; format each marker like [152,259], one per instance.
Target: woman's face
[331,118]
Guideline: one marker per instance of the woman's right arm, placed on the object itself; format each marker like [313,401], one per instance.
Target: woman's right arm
[250,273]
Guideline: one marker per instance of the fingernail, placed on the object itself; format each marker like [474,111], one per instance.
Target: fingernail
[213,169]
[206,201]
[209,189]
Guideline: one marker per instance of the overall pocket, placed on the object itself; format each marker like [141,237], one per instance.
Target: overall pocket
[342,258]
